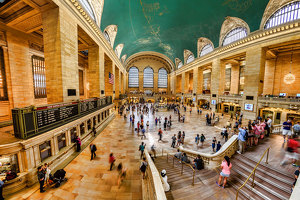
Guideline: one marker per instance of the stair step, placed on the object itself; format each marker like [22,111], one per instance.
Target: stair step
[263,178]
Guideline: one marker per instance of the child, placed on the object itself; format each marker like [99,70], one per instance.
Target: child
[213,145]
[218,146]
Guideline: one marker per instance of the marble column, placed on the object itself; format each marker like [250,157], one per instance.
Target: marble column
[93,72]
[235,78]
[182,83]
[61,55]
[155,81]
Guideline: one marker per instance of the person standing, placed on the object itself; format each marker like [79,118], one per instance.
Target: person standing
[269,126]
[1,189]
[111,160]
[287,129]
[142,149]
[202,139]
[218,146]
[296,128]
[41,178]
[226,167]
[78,144]
[160,134]
[242,139]
[93,149]
[173,141]
[197,140]
[213,144]
[143,167]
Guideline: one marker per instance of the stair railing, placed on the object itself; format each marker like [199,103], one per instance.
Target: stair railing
[183,163]
[253,172]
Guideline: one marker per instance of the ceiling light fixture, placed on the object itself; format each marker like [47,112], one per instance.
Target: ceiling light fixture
[290,78]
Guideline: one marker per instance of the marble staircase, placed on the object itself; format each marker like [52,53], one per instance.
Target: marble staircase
[270,183]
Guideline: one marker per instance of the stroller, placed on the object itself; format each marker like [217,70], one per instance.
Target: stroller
[57,178]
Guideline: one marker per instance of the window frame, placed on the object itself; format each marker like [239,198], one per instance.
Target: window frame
[3,97]
[180,64]
[205,51]
[165,85]
[130,78]
[106,35]
[190,59]
[233,35]
[148,85]
[39,70]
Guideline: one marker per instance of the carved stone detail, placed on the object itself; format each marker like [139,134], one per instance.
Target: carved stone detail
[123,58]
[271,8]
[202,41]
[112,33]
[119,49]
[36,46]
[186,54]
[97,6]
[229,24]
[177,61]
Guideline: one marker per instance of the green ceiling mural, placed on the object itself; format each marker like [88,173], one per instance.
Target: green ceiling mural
[170,26]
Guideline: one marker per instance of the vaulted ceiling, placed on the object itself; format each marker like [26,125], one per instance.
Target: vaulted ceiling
[170,26]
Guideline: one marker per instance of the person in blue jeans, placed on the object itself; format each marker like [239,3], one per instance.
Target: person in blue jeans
[241,139]
[218,146]
[213,144]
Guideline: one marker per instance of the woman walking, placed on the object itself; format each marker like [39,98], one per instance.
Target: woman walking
[226,167]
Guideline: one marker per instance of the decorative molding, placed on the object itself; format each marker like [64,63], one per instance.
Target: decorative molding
[36,46]
[119,49]
[97,6]
[202,41]
[177,61]
[112,33]
[271,8]
[229,24]
[123,58]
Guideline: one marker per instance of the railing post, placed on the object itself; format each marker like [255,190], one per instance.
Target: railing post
[267,156]
[193,178]
[253,178]
[181,167]
[237,194]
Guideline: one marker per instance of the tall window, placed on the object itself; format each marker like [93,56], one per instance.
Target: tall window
[106,36]
[148,77]
[227,77]
[133,77]
[162,78]
[206,49]
[206,79]
[39,77]
[242,77]
[88,8]
[235,35]
[3,87]
[287,13]
[190,59]
[179,65]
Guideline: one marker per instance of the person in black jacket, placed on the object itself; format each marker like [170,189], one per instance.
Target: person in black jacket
[41,178]
[93,151]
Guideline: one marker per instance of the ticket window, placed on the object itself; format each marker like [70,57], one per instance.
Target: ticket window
[61,140]
[73,132]
[8,163]
[82,129]
[89,123]
[45,150]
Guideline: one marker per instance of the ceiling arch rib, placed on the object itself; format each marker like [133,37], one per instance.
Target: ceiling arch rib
[112,31]
[201,43]
[119,49]
[230,24]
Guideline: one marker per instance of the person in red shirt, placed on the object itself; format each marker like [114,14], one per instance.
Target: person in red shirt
[291,151]
[111,160]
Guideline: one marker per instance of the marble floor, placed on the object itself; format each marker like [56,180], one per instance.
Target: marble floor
[92,179]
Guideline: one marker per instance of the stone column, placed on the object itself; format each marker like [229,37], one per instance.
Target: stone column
[68,137]
[195,80]
[187,82]
[215,82]
[254,74]
[108,69]
[200,80]
[141,80]
[269,78]
[183,82]
[61,55]
[101,72]
[117,82]
[93,72]
[155,81]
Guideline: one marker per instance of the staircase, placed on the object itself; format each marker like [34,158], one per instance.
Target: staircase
[270,183]
[181,185]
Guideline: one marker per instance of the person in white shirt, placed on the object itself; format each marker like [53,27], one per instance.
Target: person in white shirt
[165,180]
[269,126]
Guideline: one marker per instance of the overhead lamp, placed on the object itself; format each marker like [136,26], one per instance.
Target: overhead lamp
[290,78]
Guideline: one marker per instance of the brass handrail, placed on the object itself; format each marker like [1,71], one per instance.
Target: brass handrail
[253,172]
[183,163]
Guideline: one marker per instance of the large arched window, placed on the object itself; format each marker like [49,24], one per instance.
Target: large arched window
[190,59]
[235,35]
[287,13]
[162,78]
[133,77]
[179,65]
[148,77]
[206,49]
[106,36]
[85,4]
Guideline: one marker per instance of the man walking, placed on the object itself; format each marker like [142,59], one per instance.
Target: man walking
[142,148]
[173,141]
[160,134]
[41,178]
[93,151]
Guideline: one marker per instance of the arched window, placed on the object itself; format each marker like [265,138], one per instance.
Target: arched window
[148,77]
[133,77]
[287,13]
[206,49]
[85,4]
[179,65]
[235,35]
[162,78]
[190,59]
[106,36]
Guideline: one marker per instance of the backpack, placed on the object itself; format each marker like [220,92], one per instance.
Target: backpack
[246,135]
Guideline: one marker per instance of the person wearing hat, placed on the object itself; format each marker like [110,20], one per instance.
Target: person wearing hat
[165,180]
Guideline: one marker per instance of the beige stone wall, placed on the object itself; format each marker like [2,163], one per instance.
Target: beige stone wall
[275,71]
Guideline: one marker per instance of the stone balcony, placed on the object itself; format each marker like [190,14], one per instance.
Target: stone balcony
[236,98]
[203,96]
[280,102]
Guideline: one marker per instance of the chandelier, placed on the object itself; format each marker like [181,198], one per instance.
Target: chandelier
[290,78]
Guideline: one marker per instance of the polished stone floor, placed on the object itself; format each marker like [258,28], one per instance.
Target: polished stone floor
[92,179]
